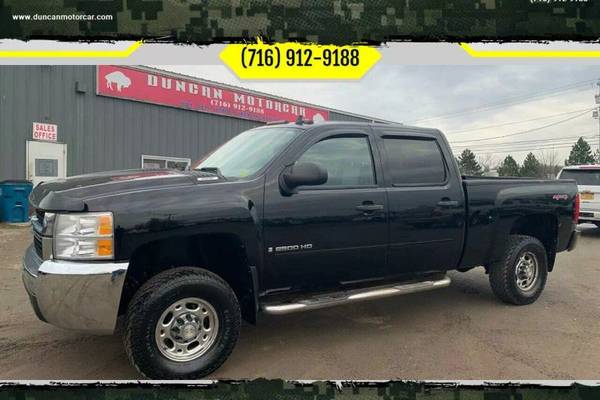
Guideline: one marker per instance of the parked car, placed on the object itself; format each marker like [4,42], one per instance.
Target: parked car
[588,183]
[282,218]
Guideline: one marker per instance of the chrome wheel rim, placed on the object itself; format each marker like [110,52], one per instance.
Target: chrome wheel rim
[186,329]
[526,271]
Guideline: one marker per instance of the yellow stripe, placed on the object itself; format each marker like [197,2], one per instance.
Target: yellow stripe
[71,53]
[529,53]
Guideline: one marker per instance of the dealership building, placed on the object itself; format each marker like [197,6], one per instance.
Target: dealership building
[58,121]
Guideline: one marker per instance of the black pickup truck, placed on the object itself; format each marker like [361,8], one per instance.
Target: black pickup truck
[282,218]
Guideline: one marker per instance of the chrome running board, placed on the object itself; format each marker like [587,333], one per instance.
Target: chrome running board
[350,296]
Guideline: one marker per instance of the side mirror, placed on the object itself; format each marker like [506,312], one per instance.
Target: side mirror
[302,174]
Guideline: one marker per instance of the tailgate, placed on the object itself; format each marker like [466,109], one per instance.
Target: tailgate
[590,198]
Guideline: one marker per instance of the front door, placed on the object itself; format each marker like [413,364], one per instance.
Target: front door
[332,234]
[45,161]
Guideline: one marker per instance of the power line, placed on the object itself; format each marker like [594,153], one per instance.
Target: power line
[515,122]
[528,148]
[523,150]
[530,142]
[525,131]
[510,100]
[591,141]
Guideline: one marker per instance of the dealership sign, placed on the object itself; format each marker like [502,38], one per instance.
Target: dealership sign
[187,93]
[47,132]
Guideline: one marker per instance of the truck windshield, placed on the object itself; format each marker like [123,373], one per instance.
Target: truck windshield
[248,152]
[589,177]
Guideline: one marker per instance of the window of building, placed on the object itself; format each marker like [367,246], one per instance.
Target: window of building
[414,161]
[158,162]
[347,159]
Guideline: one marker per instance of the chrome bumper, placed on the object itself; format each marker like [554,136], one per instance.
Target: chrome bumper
[83,296]
[589,215]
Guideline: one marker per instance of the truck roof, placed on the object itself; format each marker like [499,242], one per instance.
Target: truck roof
[587,166]
[311,124]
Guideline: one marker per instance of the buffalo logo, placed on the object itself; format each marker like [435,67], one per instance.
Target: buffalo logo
[117,78]
[318,118]
[560,197]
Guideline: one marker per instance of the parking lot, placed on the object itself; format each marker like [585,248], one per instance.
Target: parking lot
[460,332]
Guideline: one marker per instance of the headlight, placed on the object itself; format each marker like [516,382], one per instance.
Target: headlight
[87,236]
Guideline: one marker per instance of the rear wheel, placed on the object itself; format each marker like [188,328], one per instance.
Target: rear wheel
[181,324]
[521,275]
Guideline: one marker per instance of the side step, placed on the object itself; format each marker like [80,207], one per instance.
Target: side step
[350,296]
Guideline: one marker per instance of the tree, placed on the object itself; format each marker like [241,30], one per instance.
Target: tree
[549,164]
[487,162]
[581,153]
[509,167]
[597,156]
[531,167]
[468,164]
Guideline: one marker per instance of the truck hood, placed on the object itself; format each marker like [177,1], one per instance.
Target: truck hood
[72,193]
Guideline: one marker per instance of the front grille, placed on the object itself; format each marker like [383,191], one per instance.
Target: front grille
[40,215]
[37,243]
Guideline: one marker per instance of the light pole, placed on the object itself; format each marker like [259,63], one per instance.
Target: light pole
[596,114]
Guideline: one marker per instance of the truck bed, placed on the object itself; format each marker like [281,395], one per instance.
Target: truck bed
[500,206]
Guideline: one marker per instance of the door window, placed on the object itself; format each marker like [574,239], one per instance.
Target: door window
[348,161]
[46,167]
[414,161]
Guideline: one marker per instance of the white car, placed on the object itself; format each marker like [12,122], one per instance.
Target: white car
[588,181]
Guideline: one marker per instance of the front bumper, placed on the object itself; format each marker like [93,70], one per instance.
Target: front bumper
[83,296]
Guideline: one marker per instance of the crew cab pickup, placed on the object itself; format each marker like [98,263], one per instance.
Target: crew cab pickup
[282,218]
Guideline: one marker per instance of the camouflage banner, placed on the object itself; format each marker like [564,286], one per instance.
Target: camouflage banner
[278,389]
[337,22]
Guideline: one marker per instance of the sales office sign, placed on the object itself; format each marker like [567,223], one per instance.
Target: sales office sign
[45,132]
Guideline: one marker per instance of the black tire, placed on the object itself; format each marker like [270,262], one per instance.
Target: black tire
[503,276]
[154,297]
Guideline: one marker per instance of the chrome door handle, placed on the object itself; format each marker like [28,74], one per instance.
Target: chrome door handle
[447,203]
[369,208]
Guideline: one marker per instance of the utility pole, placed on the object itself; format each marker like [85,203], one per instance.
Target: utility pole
[596,113]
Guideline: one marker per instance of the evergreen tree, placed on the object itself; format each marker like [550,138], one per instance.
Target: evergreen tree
[509,167]
[531,167]
[597,156]
[581,153]
[468,164]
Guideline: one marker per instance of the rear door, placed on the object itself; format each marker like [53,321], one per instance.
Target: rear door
[330,234]
[426,202]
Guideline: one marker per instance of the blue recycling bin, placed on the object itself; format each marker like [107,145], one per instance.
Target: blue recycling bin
[14,203]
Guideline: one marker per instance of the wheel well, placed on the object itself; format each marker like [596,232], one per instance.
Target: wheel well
[543,227]
[222,254]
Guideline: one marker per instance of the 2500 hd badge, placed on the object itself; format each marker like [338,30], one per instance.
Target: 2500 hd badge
[282,218]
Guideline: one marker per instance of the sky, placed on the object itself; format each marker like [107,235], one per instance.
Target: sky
[537,108]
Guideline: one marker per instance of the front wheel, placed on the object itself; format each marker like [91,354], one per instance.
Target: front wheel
[521,275]
[181,324]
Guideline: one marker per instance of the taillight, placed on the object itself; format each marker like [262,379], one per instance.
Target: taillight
[576,206]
